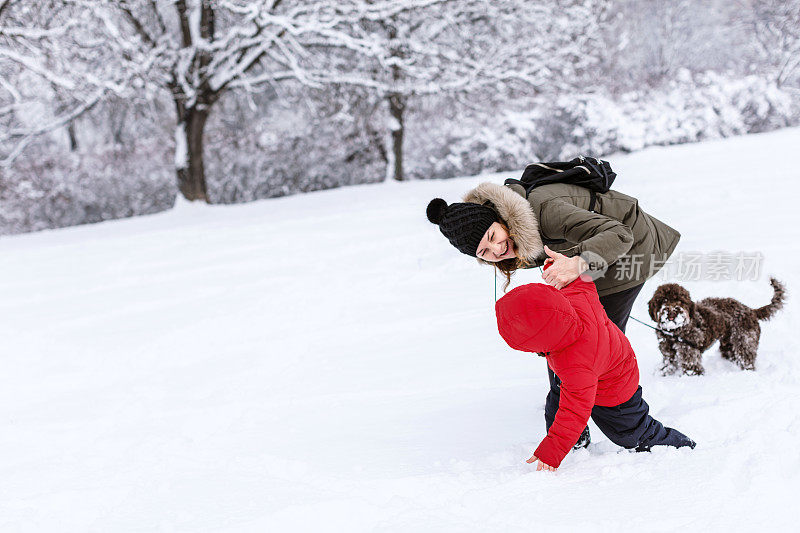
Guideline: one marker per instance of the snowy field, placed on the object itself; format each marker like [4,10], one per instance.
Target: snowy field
[329,362]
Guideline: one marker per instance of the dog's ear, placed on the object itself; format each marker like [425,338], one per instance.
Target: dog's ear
[687,303]
[652,305]
[685,294]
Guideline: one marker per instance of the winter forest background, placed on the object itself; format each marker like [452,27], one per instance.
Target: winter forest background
[112,108]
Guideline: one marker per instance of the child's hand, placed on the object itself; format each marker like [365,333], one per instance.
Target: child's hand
[542,465]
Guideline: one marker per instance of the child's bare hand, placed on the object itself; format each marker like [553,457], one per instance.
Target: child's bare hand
[541,465]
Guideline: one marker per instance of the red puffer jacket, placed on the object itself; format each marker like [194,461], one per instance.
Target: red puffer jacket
[588,352]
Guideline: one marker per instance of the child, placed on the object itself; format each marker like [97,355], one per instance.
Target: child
[595,362]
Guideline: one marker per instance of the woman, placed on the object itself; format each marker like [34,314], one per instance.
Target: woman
[619,244]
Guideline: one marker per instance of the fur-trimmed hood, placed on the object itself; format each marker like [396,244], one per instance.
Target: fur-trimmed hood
[516,211]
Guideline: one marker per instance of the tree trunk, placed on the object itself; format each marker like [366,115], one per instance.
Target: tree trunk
[396,109]
[189,153]
[73,138]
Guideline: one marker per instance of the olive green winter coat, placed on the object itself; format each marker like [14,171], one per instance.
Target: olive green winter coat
[619,235]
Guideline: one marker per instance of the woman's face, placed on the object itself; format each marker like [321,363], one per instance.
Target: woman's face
[496,244]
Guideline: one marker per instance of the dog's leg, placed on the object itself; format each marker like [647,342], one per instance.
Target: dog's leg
[745,348]
[726,348]
[691,348]
[691,360]
[670,364]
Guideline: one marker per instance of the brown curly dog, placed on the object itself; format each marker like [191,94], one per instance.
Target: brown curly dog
[687,329]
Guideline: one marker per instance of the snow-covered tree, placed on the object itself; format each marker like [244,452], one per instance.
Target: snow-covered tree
[495,53]
[263,98]
[196,50]
[775,24]
[55,66]
[459,48]
[201,49]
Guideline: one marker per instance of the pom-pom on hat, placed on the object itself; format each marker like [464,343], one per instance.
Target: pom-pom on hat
[464,224]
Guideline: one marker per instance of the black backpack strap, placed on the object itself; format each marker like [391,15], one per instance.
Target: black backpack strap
[592,202]
[527,186]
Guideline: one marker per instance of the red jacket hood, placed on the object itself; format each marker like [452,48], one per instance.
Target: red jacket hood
[537,318]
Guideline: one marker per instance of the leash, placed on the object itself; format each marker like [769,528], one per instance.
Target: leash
[665,332]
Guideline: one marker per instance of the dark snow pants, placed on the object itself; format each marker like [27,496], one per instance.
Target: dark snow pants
[630,425]
[617,306]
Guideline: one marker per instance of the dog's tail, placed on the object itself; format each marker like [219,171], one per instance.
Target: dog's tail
[779,295]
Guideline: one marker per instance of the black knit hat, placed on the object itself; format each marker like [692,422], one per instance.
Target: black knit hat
[464,224]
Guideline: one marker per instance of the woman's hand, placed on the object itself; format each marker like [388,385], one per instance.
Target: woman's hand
[563,270]
[541,465]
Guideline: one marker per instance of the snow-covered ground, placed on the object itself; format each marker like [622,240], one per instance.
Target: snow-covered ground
[329,362]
